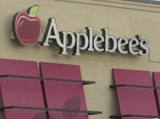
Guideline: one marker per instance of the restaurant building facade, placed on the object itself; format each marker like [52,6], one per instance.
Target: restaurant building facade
[76,43]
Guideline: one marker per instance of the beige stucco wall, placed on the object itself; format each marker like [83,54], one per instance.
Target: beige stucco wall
[122,18]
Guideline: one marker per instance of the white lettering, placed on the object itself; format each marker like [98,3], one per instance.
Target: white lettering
[133,46]
[86,41]
[122,42]
[144,49]
[69,41]
[98,40]
[110,41]
[82,43]
[90,36]
[51,27]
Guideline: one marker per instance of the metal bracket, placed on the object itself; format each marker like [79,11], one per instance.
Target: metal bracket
[134,86]
[133,115]
[52,109]
[46,78]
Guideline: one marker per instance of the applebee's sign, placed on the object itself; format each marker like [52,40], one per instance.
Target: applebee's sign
[26,27]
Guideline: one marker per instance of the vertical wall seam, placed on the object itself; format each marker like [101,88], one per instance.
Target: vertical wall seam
[156,95]
[43,91]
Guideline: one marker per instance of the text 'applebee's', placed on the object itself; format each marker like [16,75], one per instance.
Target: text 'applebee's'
[87,41]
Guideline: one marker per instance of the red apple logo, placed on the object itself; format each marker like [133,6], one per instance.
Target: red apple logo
[26,26]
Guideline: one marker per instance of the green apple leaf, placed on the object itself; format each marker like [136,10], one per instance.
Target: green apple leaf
[33,10]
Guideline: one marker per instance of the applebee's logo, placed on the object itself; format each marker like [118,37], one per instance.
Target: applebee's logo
[26,26]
